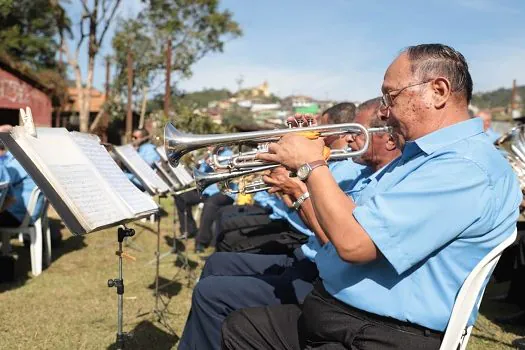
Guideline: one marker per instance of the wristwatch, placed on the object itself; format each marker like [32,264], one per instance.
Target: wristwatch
[306,169]
[297,204]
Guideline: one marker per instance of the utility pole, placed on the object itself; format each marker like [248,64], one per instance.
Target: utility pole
[167,92]
[105,117]
[129,116]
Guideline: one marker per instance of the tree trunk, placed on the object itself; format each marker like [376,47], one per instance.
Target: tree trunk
[143,109]
[84,110]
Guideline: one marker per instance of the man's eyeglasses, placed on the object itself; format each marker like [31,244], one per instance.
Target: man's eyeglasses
[387,99]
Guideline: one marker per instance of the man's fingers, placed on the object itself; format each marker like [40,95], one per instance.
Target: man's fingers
[268,157]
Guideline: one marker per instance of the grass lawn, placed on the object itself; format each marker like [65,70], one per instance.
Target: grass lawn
[69,306]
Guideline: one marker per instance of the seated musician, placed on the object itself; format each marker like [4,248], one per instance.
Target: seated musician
[213,200]
[231,281]
[21,185]
[140,139]
[400,250]
[273,230]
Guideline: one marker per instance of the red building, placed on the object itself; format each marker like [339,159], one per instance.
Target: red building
[20,89]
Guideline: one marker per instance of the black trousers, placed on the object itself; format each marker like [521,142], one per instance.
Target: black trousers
[231,281]
[184,204]
[322,322]
[210,210]
[8,220]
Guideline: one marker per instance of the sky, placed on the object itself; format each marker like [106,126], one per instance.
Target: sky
[340,49]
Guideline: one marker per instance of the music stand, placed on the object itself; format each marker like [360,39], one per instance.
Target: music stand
[122,232]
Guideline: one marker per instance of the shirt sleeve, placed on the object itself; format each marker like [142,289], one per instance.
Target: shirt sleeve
[426,210]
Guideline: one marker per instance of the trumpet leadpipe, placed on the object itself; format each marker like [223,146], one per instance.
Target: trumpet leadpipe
[177,144]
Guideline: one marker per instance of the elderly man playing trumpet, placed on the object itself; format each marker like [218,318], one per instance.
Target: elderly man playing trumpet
[231,281]
[398,252]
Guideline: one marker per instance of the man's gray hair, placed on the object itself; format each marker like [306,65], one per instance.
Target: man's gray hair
[429,61]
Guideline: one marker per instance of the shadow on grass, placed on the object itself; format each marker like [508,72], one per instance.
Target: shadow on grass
[182,261]
[179,244]
[491,339]
[167,287]
[146,335]
[22,264]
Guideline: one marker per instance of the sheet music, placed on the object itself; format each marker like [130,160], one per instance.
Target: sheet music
[84,190]
[141,169]
[137,201]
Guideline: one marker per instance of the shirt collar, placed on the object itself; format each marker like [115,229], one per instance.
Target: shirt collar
[447,136]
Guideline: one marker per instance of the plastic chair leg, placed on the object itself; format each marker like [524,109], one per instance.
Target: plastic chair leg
[47,242]
[36,248]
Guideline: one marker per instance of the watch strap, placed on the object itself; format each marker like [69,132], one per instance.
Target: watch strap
[316,164]
[297,204]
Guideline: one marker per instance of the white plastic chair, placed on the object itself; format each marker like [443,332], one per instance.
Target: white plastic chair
[35,232]
[457,333]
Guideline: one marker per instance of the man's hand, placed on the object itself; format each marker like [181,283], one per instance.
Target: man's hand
[293,150]
[280,180]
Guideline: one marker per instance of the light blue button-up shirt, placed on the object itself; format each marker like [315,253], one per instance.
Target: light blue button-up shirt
[434,213]
[21,186]
[147,151]
[344,173]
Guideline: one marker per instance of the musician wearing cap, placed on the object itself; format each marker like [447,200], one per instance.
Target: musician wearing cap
[231,281]
[398,252]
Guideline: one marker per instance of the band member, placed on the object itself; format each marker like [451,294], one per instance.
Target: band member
[141,141]
[275,230]
[21,185]
[399,252]
[231,281]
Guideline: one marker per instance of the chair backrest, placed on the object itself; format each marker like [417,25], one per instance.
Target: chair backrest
[31,206]
[470,292]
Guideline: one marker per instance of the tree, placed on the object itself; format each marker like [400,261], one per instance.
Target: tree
[134,37]
[93,26]
[194,27]
[30,31]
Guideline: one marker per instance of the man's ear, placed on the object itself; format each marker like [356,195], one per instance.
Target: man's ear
[441,89]
[390,143]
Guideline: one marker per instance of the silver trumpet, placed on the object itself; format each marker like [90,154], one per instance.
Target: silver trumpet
[203,179]
[178,144]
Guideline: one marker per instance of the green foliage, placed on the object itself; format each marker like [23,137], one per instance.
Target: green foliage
[237,116]
[30,30]
[133,37]
[201,99]
[186,120]
[496,98]
[195,28]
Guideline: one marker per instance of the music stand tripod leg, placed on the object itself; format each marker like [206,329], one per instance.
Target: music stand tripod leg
[122,233]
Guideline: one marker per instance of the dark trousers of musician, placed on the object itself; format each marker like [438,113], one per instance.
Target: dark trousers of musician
[211,207]
[184,204]
[212,204]
[322,322]
[231,281]
[249,229]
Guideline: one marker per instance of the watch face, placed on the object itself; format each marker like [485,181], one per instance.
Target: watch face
[303,171]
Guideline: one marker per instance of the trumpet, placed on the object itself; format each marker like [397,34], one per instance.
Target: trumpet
[178,144]
[203,179]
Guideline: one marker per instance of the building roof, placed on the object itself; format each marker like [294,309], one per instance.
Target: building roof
[97,100]
[23,72]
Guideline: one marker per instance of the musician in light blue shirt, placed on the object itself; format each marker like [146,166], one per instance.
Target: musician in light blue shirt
[247,280]
[394,267]
[21,185]
[140,139]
